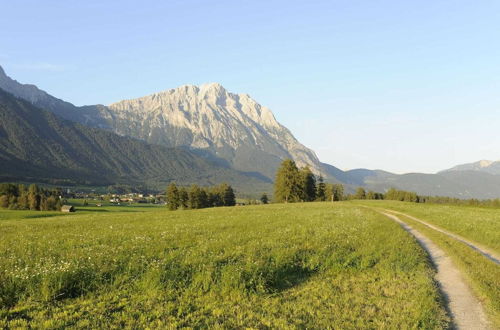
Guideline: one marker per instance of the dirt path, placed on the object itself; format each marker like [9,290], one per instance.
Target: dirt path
[481,249]
[465,309]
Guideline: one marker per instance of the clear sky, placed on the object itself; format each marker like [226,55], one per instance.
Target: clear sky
[398,85]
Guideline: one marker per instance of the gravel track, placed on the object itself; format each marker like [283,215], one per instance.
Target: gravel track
[464,308]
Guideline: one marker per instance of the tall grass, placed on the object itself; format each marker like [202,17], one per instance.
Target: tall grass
[313,265]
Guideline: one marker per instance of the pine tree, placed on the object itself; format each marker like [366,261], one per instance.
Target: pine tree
[321,189]
[43,203]
[203,199]
[264,199]
[217,195]
[287,187]
[308,184]
[370,195]
[52,203]
[197,197]
[173,198]
[360,193]
[34,197]
[337,192]
[229,198]
[183,198]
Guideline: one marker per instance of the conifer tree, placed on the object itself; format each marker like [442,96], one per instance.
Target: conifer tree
[370,195]
[173,198]
[203,198]
[321,189]
[183,198]
[337,192]
[360,193]
[34,197]
[196,197]
[287,187]
[308,184]
[51,203]
[264,199]
[229,199]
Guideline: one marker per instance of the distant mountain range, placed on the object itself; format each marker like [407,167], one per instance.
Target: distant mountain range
[224,136]
[484,166]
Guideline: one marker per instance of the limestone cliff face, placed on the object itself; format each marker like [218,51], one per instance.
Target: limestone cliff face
[231,126]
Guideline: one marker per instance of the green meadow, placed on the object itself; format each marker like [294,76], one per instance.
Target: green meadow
[308,265]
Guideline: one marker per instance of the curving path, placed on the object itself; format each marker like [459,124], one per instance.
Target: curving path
[481,249]
[465,309]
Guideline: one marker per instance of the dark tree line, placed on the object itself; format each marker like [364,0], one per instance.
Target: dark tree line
[301,185]
[196,197]
[18,197]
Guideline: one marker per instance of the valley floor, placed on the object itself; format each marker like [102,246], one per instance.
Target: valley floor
[313,265]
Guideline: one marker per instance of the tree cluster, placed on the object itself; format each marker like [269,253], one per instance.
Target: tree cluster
[301,185]
[334,192]
[361,193]
[18,197]
[401,195]
[196,197]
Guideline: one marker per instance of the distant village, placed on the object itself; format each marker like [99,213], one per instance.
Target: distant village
[118,199]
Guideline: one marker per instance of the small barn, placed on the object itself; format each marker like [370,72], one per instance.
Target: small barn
[67,208]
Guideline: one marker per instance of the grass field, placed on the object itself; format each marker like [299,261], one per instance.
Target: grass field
[314,265]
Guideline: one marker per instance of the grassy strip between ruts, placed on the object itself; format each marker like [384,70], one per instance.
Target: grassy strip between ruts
[314,265]
[483,275]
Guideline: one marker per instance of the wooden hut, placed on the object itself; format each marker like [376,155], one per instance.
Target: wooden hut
[67,208]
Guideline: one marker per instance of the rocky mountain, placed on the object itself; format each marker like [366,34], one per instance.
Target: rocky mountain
[231,129]
[485,166]
[38,146]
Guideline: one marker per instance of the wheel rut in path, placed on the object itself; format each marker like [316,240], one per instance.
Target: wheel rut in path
[464,308]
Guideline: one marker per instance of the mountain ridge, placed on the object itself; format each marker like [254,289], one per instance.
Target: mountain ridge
[37,145]
[486,166]
[233,131]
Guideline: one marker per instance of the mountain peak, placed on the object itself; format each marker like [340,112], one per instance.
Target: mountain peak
[2,72]
[487,166]
[485,163]
[212,85]
[230,126]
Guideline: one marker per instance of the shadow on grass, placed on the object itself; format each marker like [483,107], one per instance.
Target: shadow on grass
[287,277]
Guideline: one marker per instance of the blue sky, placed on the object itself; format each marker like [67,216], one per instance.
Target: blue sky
[398,85]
